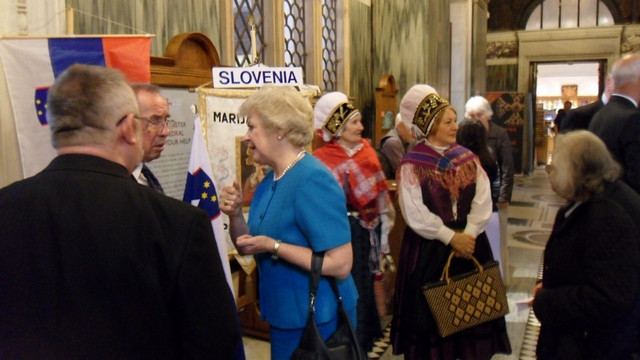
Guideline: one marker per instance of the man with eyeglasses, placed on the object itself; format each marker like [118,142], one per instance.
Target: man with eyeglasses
[95,266]
[154,113]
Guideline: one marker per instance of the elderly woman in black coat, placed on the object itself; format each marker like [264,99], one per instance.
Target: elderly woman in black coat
[591,279]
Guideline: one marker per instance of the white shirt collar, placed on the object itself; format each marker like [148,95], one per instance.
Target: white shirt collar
[351,151]
[439,149]
[136,173]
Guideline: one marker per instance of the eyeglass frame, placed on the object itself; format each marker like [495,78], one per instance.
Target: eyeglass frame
[157,125]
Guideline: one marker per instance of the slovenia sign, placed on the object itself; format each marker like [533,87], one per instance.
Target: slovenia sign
[256,76]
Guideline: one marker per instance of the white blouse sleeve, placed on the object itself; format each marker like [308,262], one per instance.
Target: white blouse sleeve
[387,218]
[429,225]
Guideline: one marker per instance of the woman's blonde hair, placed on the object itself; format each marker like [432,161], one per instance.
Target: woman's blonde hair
[282,108]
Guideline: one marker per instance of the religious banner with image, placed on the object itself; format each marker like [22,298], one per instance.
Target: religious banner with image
[223,132]
[224,127]
[509,113]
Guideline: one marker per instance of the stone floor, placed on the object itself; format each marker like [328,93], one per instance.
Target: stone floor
[530,218]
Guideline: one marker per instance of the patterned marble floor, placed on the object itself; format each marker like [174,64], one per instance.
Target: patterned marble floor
[530,218]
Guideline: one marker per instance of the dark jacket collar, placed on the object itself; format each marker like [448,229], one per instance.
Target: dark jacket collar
[90,163]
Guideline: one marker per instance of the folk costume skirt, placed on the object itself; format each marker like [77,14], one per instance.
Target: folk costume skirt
[413,329]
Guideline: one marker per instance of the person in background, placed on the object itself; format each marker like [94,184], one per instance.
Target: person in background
[618,122]
[473,135]
[354,165]
[558,121]
[580,117]
[297,209]
[154,112]
[394,144]
[445,199]
[94,265]
[478,108]
[591,276]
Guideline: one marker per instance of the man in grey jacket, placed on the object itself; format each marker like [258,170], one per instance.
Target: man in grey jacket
[478,108]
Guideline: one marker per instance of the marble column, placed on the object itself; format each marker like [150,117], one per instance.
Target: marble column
[468,51]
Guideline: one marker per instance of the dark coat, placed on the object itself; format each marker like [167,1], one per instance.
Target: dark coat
[591,276]
[580,117]
[500,143]
[96,266]
[618,125]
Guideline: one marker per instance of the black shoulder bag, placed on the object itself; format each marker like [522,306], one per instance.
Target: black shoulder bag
[343,344]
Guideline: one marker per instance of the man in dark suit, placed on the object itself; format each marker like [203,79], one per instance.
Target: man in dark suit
[618,122]
[154,113]
[94,266]
[561,115]
[580,117]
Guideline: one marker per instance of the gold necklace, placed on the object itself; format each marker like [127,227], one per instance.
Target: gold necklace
[298,157]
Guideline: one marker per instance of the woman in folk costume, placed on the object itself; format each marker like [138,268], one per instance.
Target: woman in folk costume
[355,166]
[445,199]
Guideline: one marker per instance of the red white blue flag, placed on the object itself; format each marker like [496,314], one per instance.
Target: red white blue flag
[31,66]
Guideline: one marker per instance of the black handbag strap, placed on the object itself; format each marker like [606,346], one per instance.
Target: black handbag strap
[343,344]
[316,268]
[314,279]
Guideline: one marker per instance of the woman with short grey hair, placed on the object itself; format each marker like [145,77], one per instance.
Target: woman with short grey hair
[591,279]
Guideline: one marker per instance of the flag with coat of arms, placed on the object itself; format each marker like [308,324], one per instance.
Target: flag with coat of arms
[200,191]
[31,65]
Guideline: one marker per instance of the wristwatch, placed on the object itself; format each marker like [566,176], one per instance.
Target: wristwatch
[274,252]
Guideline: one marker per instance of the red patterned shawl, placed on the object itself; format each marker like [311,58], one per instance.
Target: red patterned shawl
[364,175]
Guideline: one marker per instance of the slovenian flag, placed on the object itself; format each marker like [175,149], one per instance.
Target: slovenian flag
[31,66]
[200,191]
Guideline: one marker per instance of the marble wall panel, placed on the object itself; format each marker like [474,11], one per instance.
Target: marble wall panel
[412,42]
[361,83]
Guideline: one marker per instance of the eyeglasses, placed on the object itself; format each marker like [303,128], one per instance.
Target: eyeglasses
[157,122]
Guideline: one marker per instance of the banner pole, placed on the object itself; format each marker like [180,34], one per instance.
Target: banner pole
[69,20]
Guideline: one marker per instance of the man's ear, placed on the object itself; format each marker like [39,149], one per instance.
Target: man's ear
[128,129]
